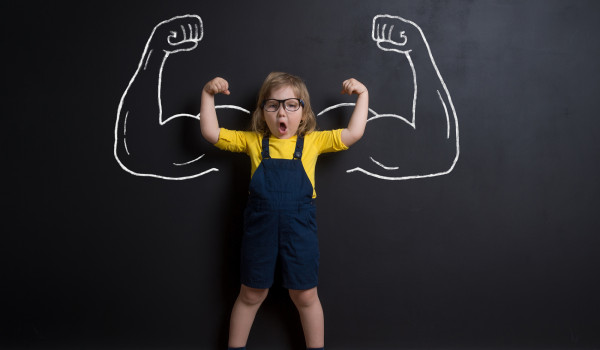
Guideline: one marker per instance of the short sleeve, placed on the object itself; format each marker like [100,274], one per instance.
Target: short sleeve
[232,140]
[329,141]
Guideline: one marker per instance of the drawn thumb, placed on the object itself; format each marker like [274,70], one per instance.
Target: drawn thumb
[185,45]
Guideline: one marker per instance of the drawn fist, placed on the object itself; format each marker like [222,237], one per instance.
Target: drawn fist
[181,33]
[393,33]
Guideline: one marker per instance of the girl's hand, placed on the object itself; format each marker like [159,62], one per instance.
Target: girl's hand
[353,86]
[217,86]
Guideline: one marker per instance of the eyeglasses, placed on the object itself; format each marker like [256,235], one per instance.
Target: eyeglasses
[290,104]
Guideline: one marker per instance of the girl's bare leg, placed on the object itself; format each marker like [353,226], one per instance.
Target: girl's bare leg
[242,316]
[311,316]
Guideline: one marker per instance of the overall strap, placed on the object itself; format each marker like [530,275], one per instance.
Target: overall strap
[297,152]
[299,147]
[265,147]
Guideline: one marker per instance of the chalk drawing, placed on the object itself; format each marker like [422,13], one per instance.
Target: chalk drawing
[390,33]
[395,39]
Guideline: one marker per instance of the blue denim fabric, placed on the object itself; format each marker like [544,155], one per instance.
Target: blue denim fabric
[280,225]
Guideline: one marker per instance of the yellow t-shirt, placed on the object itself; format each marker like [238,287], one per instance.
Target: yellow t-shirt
[250,142]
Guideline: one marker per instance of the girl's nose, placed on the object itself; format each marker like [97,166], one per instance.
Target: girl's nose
[281,110]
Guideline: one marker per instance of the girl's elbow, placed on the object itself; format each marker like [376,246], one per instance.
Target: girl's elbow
[358,134]
[352,137]
[210,136]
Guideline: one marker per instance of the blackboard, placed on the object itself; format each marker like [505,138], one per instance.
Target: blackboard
[479,230]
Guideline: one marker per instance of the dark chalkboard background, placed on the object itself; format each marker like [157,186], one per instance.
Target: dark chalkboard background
[502,252]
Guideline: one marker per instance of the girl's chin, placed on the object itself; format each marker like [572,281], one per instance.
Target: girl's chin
[282,135]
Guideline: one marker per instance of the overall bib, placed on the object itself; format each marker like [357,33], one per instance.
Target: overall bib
[280,224]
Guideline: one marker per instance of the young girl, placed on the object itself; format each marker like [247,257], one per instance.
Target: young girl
[279,220]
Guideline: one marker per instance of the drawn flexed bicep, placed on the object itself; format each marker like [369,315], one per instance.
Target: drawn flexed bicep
[148,143]
[424,143]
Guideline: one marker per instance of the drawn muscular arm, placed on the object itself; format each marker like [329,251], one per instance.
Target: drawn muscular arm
[424,143]
[143,141]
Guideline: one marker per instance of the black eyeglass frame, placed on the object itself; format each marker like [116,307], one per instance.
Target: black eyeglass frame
[279,102]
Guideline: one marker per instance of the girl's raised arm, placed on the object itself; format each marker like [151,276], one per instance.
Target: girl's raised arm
[209,125]
[358,120]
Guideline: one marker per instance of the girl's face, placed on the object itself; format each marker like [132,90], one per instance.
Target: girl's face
[282,123]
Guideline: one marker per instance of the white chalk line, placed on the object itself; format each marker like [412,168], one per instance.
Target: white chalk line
[383,166]
[342,105]
[190,162]
[197,116]
[446,114]
[148,59]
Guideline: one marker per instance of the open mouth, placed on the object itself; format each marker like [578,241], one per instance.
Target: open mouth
[282,127]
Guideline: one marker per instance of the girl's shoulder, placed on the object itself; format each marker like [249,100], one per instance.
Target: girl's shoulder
[315,134]
[326,140]
[239,133]
[237,140]
[322,133]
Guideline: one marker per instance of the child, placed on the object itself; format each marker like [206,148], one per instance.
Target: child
[279,220]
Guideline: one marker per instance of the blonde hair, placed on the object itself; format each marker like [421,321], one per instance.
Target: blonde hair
[276,80]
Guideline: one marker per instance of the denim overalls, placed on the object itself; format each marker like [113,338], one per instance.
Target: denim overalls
[280,225]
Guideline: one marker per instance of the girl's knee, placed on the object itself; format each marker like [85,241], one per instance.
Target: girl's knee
[252,296]
[304,298]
